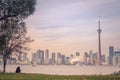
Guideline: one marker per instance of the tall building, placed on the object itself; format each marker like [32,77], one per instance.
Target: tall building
[91,57]
[63,59]
[114,60]
[99,42]
[38,57]
[58,58]
[46,59]
[111,53]
[117,54]
[42,57]
[53,59]
[85,58]
[38,54]
[95,55]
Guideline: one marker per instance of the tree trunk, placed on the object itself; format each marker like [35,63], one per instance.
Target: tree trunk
[4,63]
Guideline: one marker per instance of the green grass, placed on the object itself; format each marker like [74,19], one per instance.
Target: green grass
[13,76]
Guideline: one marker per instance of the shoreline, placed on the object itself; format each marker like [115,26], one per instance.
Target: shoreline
[63,69]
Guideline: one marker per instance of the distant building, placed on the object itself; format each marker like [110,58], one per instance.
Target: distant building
[77,54]
[114,60]
[42,57]
[38,57]
[118,60]
[85,58]
[50,61]
[67,60]
[53,59]
[46,59]
[108,60]
[117,54]
[63,59]
[91,57]
[111,53]
[103,58]
[58,58]
[38,54]
[95,57]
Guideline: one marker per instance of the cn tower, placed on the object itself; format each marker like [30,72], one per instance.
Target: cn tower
[99,42]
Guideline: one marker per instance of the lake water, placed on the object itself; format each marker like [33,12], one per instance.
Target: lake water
[64,69]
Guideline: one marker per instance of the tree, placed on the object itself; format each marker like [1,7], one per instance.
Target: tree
[14,40]
[12,27]
[19,9]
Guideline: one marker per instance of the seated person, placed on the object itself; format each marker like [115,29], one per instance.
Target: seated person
[18,70]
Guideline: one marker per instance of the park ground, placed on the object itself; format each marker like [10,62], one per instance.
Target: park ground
[14,76]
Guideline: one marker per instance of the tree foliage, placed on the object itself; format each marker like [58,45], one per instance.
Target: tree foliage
[19,9]
[14,39]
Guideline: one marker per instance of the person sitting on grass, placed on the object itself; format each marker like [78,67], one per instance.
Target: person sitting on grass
[18,70]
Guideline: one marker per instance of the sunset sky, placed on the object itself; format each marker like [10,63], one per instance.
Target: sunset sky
[69,26]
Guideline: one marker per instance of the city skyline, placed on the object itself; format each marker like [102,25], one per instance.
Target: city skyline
[70,26]
[89,58]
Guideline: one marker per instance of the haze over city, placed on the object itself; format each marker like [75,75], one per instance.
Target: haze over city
[68,26]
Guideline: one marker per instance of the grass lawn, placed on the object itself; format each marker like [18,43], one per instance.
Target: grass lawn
[13,76]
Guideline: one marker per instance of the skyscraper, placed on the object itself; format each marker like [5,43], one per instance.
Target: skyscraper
[58,58]
[46,59]
[85,58]
[91,57]
[38,54]
[63,59]
[42,57]
[53,58]
[99,43]
[111,52]
[117,54]
[114,60]
[95,55]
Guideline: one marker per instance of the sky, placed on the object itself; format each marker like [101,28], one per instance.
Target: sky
[70,26]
